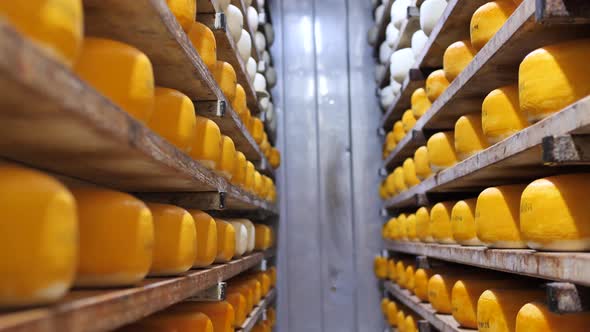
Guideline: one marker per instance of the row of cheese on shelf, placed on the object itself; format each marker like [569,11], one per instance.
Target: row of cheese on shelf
[243,294]
[397,317]
[485,301]
[548,214]
[54,237]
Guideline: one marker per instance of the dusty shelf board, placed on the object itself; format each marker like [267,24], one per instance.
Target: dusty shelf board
[257,312]
[106,310]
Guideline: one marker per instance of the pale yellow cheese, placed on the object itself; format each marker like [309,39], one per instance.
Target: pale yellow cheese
[500,114]
[441,151]
[423,170]
[174,118]
[463,223]
[456,57]
[436,84]
[536,317]
[488,19]
[206,238]
[239,171]
[469,138]
[420,102]
[440,222]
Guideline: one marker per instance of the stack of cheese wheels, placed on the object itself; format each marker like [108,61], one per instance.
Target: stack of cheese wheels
[554,215]
[221,314]
[120,72]
[56,26]
[175,240]
[497,308]
[436,84]
[440,227]
[174,118]
[533,317]
[500,114]
[488,19]
[172,321]
[420,102]
[226,241]
[423,225]
[469,138]
[550,78]
[497,217]
[456,57]
[39,237]
[116,238]
[423,170]
[463,223]
[441,151]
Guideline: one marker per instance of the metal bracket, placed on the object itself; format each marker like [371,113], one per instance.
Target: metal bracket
[263,267]
[264,315]
[422,262]
[212,294]
[566,150]
[380,132]
[424,326]
[382,172]
[385,253]
[564,297]
[384,212]
[221,108]
[562,11]
[220,22]
[262,165]
[413,12]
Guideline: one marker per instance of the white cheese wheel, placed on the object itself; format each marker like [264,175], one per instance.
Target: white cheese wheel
[271,77]
[260,3]
[269,32]
[401,63]
[266,58]
[235,22]
[430,13]
[250,231]
[252,18]
[259,83]
[379,13]
[419,39]
[387,97]
[222,5]
[385,52]
[399,12]
[391,34]
[245,45]
[241,238]
[260,41]
[251,67]
[380,71]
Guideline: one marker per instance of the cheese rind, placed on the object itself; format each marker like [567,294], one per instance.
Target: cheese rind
[463,223]
[185,12]
[204,42]
[497,308]
[423,170]
[174,118]
[226,241]
[420,102]
[436,84]
[440,223]
[206,238]
[423,225]
[441,151]
[500,114]
[536,317]
[488,19]
[207,144]
[469,138]
[410,176]
[456,57]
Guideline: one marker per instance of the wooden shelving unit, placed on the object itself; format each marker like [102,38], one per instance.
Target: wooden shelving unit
[108,309]
[258,311]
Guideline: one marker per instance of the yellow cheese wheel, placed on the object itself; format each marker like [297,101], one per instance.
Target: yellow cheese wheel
[185,12]
[222,314]
[203,41]
[384,302]
[536,317]
[402,227]
[238,302]
[239,103]
[554,213]
[391,270]
[172,321]
[440,222]
[271,314]
[441,151]
[264,237]
[174,118]
[488,19]
[409,278]
[420,102]
[497,217]
[257,129]
[408,120]
[226,241]
[400,320]
[393,229]
[456,57]
[392,313]
[411,227]
[497,308]
[226,164]
[383,194]
[469,138]
[225,75]
[436,84]
[423,225]
[239,171]
[116,238]
[207,144]
[400,272]
[245,117]
[380,267]
[398,131]
[275,158]
[390,185]
[423,170]
[55,25]
[257,183]
[244,289]
[249,179]
[273,276]
[399,180]
[390,142]
[421,278]
[175,240]
[439,292]
[463,223]
[550,78]
[206,238]
[410,324]
[500,114]
[410,176]
[120,72]
[38,238]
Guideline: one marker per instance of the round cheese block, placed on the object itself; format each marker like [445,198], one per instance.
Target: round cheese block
[399,180]
[536,317]
[430,13]
[436,84]
[408,120]
[185,12]
[469,138]
[204,42]
[423,225]
[440,222]
[463,223]
[411,227]
[423,170]
[500,114]
[398,131]
[497,308]
[488,19]
[456,57]
[420,102]
[441,151]
[421,278]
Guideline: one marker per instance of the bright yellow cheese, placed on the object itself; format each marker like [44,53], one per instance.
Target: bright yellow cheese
[38,238]
[408,120]
[245,117]
[121,73]
[226,241]
[441,151]
[226,163]
[497,217]
[391,270]
[391,313]
[384,302]
[383,194]
[263,237]
[271,315]
[423,225]
[552,77]
[469,138]
[463,223]
[409,278]
[175,240]
[273,276]
[420,102]
[440,222]
[393,229]
[410,324]
[241,238]
[174,118]
[554,213]
[536,317]
[380,267]
[400,320]
[398,131]
[422,163]
[410,176]
[239,103]
[402,227]
[500,114]
[172,321]
[222,314]
[439,292]
[456,57]
[257,183]
[185,12]
[238,302]
[264,280]
[203,41]
[411,227]
[399,180]
[390,185]
[400,272]
[421,278]
[436,84]
[225,75]
[257,129]
[488,19]
[239,171]
[207,144]
[390,142]
[275,158]
[55,25]
[249,179]
[497,308]
[116,238]
[245,290]
[206,238]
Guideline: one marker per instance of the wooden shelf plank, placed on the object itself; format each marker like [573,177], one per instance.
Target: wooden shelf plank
[382,26]
[54,121]
[257,312]
[105,310]
[568,267]
[443,323]
[207,6]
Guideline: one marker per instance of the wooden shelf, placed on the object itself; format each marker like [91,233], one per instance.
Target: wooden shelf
[521,158]
[567,267]
[382,27]
[151,27]
[54,121]
[443,323]
[258,311]
[106,310]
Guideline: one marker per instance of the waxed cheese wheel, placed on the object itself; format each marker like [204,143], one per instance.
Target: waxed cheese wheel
[251,233]
[172,321]
[456,57]
[390,185]
[497,217]
[225,76]
[440,222]
[488,19]
[421,278]
[410,176]
[411,227]
[226,163]
[423,225]
[380,267]
[392,313]
[38,238]
[390,142]
[400,272]
[430,13]
[408,120]
[207,144]
[441,150]
[249,177]
[206,238]
[398,131]
[419,39]
[469,138]
[241,239]
[423,170]
[391,270]
[239,171]
[536,317]
[400,320]
[235,22]
[409,278]
[554,213]
[384,302]
[420,102]
[399,180]
[402,226]
[497,308]
[439,292]
[393,229]
[226,241]
[185,12]
[204,42]
[550,78]
[174,118]
[410,324]
[222,313]
[500,114]
[263,237]
[463,223]
[401,61]
[238,302]
[239,103]
[436,84]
